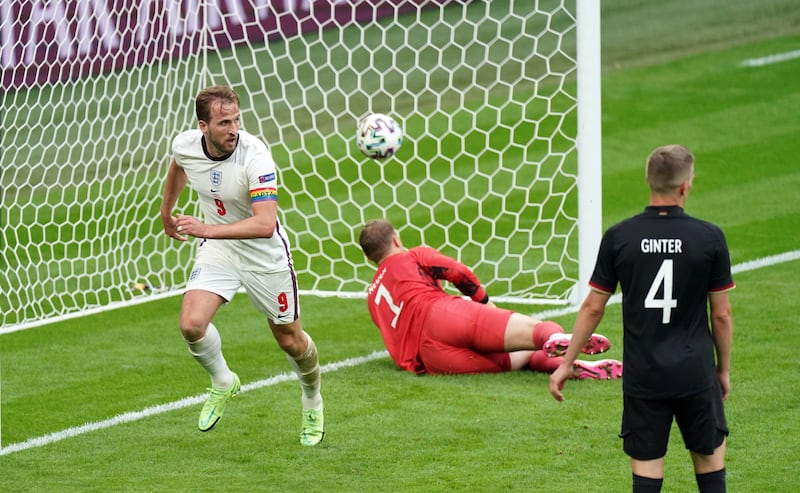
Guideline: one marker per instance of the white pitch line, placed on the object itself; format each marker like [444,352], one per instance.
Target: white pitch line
[743,267]
[130,417]
[770,59]
[766,261]
[285,377]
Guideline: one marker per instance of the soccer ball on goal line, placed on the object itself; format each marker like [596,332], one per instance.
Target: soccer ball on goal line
[378,136]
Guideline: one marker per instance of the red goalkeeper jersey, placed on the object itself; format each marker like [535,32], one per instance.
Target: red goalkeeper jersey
[402,292]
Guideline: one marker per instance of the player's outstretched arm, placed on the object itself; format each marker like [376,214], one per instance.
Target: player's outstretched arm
[440,266]
[589,316]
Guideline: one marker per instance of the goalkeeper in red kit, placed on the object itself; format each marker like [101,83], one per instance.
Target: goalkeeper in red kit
[427,330]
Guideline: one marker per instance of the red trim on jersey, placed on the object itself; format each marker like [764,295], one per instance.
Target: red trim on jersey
[599,288]
[722,289]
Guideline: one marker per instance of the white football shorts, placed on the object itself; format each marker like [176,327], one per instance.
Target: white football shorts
[272,293]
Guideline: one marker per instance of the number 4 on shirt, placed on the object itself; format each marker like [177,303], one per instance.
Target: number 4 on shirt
[666,303]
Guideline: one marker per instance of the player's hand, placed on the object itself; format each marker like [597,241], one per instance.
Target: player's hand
[724,378]
[557,380]
[172,228]
[188,226]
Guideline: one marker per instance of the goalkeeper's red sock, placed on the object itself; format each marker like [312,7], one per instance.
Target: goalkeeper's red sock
[541,362]
[542,332]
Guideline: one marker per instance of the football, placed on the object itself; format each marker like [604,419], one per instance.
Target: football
[378,136]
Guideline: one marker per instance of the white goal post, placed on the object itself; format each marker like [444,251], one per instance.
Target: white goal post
[499,101]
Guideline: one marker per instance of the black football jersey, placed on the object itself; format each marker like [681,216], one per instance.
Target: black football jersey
[666,263]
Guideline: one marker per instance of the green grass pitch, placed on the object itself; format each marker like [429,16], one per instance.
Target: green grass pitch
[672,73]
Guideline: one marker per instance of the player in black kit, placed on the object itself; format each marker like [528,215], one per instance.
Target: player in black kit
[670,268]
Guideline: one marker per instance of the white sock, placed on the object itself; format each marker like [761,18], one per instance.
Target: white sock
[306,367]
[208,352]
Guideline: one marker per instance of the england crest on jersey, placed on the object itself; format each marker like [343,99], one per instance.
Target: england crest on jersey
[216,179]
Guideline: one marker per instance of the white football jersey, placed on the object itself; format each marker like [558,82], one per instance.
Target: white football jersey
[226,187]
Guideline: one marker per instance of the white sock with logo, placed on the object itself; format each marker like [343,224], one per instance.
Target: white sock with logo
[208,352]
[306,367]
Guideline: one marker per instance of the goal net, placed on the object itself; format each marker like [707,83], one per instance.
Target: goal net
[94,91]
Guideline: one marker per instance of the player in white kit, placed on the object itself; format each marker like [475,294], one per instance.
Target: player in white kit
[242,244]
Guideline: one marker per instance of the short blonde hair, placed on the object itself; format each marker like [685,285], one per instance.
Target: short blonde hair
[668,167]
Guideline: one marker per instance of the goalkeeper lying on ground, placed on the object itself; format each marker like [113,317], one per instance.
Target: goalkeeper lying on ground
[427,330]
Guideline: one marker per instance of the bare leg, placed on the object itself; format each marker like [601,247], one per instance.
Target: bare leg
[648,468]
[526,333]
[709,463]
[197,310]
[520,359]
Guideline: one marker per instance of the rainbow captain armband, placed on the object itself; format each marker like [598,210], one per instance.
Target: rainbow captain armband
[262,194]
